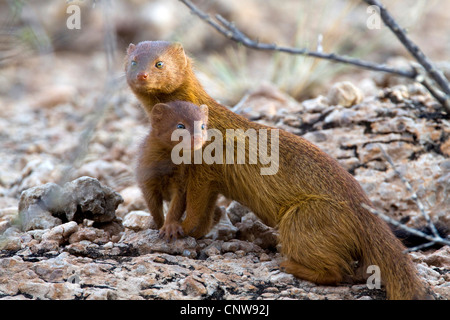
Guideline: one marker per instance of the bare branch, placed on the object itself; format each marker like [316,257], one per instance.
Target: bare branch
[421,246]
[433,239]
[229,30]
[431,87]
[418,54]
[389,21]
[413,194]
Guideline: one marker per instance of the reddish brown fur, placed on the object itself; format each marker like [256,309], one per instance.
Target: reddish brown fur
[158,177]
[313,201]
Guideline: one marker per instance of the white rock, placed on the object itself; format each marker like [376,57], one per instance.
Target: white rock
[137,220]
[61,232]
[345,94]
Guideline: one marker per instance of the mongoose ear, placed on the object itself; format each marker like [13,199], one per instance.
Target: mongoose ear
[159,112]
[204,110]
[178,47]
[131,48]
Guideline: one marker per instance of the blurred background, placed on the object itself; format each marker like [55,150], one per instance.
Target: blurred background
[37,30]
[58,109]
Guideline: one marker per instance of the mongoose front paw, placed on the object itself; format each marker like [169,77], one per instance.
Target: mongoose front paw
[171,231]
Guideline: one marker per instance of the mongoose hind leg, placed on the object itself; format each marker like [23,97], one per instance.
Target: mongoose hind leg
[315,242]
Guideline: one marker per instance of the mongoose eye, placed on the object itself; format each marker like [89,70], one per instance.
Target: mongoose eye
[159,64]
[181,126]
[133,63]
[203,126]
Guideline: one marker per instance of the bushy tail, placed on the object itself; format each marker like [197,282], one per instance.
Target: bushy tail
[320,237]
[397,271]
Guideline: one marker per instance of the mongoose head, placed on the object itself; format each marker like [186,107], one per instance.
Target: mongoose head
[180,115]
[155,66]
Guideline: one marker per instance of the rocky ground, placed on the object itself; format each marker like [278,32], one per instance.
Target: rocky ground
[73,224]
[90,237]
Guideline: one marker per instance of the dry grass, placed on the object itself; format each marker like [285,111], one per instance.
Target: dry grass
[342,26]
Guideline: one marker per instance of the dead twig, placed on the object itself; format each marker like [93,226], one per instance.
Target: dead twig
[434,238]
[413,194]
[229,30]
[415,51]
[431,238]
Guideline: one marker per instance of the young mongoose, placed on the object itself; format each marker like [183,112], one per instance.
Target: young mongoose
[158,176]
[314,202]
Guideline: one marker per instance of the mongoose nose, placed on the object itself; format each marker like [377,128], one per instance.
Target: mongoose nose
[197,141]
[142,76]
